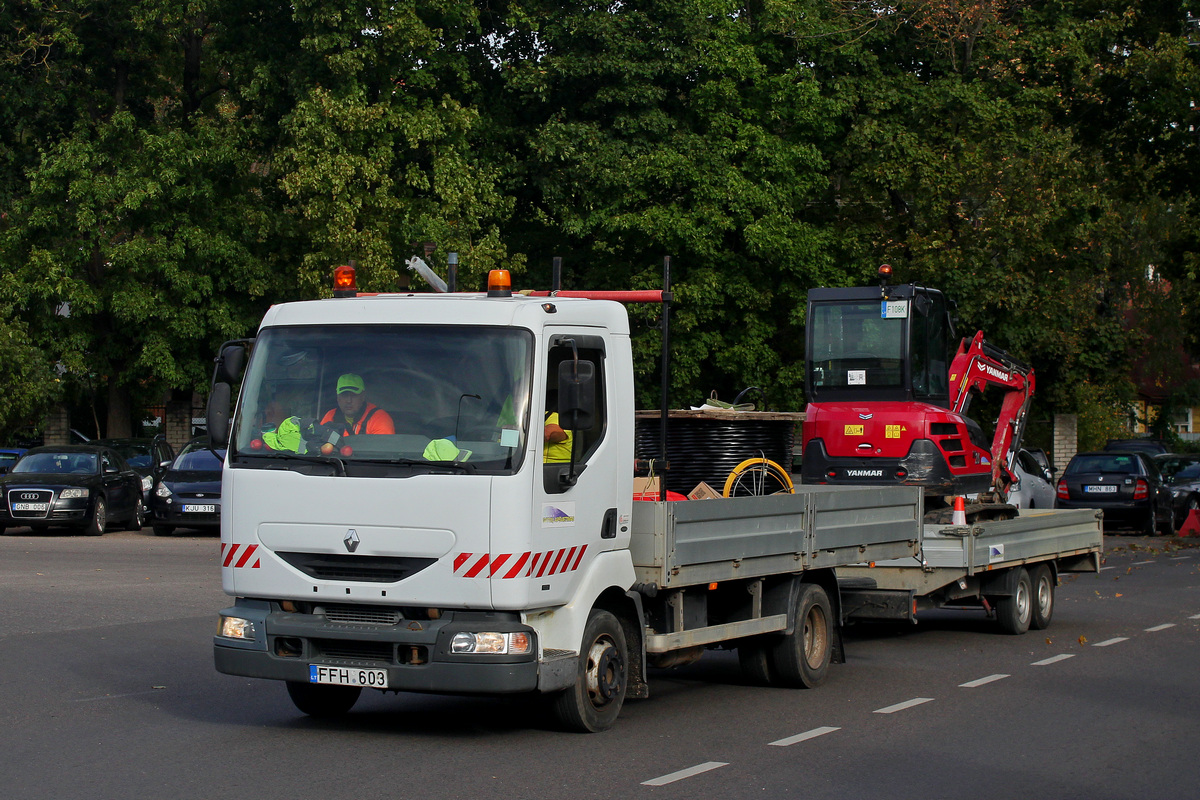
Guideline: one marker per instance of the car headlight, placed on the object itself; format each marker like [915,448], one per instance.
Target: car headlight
[162,491]
[76,491]
[147,482]
[516,643]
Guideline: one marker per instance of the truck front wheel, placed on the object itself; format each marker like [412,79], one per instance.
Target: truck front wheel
[595,700]
[801,658]
[323,700]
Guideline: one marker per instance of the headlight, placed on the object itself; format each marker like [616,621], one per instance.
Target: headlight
[516,643]
[162,491]
[147,482]
[67,494]
[235,628]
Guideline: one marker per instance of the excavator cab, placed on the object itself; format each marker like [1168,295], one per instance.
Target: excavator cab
[887,394]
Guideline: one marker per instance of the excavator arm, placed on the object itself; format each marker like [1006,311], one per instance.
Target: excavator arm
[975,367]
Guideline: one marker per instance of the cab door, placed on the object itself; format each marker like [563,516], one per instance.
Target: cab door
[576,514]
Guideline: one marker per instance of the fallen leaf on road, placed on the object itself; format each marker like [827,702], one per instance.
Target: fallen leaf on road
[1120,595]
[1083,640]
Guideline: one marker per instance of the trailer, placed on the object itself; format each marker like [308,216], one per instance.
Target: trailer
[1008,567]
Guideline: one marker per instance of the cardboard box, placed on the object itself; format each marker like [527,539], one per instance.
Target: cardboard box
[703,492]
[645,486]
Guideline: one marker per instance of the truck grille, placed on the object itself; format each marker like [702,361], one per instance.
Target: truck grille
[367,569]
[363,615]
[375,652]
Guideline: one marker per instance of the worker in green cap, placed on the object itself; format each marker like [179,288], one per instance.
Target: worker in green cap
[354,414]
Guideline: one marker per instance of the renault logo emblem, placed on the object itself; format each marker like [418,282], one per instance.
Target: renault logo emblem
[351,540]
[865,416]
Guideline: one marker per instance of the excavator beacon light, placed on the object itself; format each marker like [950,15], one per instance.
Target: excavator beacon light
[344,281]
[499,283]
[885,273]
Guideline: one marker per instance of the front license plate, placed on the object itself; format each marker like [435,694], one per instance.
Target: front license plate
[1100,489]
[341,676]
[30,506]
[201,509]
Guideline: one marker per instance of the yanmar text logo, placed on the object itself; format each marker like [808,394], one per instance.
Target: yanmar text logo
[998,374]
[864,473]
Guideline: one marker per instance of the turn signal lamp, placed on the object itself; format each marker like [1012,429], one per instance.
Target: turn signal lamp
[1063,493]
[499,283]
[345,283]
[1142,490]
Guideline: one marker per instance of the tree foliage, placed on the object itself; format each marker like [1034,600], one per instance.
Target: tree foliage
[168,170]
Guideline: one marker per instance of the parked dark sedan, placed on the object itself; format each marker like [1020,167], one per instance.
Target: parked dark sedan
[1182,474]
[1143,444]
[149,457]
[8,457]
[188,495]
[1127,486]
[82,486]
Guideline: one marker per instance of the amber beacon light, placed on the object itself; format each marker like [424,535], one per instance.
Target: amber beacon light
[499,283]
[344,282]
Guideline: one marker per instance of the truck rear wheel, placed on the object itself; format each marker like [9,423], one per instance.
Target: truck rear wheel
[593,703]
[323,700]
[1015,612]
[801,658]
[1043,597]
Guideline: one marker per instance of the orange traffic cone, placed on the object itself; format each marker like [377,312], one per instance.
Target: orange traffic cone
[1191,525]
[959,517]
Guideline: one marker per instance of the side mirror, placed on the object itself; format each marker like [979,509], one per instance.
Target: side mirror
[577,395]
[230,363]
[218,415]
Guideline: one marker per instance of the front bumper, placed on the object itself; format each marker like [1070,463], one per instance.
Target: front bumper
[415,653]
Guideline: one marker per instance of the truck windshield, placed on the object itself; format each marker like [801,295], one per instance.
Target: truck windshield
[405,395]
[853,344]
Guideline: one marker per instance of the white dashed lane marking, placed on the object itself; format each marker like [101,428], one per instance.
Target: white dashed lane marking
[803,737]
[1114,640]
[981,681]
[1194,616]
[1151,561]
[916,701]
[1162,627]
[685,773]
[1052,660]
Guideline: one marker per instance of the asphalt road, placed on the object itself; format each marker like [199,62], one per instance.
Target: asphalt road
[109,692]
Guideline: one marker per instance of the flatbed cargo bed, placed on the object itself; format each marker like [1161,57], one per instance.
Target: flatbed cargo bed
[684,543]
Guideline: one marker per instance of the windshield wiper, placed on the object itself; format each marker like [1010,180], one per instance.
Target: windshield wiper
[290,456]
[457,466]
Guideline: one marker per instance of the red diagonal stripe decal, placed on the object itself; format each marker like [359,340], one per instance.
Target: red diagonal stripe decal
[566,564]
[460,559]
[246,554]
[545,563]
[554,568]
[516,569]
[578,558]
[478,566]
[233,548]
[498,562]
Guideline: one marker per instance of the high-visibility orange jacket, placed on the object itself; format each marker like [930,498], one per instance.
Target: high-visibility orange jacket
[373,420]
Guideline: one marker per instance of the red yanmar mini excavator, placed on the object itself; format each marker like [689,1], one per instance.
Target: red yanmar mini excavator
[887,404]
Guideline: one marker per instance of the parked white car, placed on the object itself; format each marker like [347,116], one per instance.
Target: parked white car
[1035,485]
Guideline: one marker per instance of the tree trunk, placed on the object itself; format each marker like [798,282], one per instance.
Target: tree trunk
[120,414]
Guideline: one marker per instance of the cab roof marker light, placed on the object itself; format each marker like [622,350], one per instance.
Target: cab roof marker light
[499,283]
[345,283]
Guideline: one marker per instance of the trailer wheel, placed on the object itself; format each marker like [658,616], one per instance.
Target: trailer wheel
[1015,612]
[754,656]
[593,703]
[801,658]
[323,700]
[1042,580]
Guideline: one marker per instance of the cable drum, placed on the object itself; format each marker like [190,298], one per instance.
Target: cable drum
[707,446]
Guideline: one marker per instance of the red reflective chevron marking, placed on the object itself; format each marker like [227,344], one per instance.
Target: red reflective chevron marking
[516,568]
[231,552]
[507,566]
[478,566]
